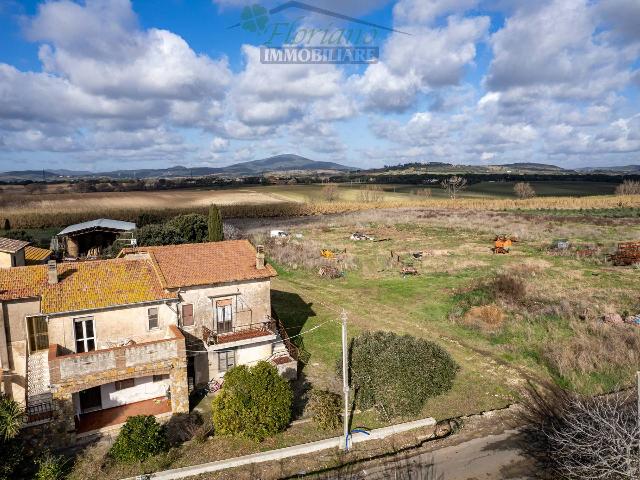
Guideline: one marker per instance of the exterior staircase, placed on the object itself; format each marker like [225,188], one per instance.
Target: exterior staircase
[39,399]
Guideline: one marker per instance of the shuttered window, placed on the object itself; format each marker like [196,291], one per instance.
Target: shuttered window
[187,315]
[153,318]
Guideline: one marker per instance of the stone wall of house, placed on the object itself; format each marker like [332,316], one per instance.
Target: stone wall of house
[153,358]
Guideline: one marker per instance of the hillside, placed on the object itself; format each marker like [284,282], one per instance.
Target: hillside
[278,163]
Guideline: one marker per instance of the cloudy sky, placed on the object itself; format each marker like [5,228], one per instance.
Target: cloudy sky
[110,84]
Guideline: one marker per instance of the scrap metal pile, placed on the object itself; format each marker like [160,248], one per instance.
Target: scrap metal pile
[502,244]
[628,254]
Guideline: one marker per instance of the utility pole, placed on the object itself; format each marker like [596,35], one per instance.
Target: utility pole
[345,378]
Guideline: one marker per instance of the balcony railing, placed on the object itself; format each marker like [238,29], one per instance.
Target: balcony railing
[65,366]
[239,332]
[38,413]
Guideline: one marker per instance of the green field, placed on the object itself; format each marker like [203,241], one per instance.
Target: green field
[561,312]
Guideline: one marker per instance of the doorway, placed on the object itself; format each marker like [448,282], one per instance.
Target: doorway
[90,400]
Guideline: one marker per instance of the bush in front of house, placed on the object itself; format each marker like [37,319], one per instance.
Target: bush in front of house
[50,467]
[140,438]
[396,374]
[255,402]
[192,227]
[325,408]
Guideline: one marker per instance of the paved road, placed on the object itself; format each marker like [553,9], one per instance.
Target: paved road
[495,457]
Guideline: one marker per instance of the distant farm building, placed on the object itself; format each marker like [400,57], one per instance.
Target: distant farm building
[90,238]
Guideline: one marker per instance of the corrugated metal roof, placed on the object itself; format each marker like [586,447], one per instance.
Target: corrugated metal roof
[10,245]
[99,223]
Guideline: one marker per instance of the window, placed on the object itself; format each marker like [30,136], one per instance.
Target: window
[160,378]
[122,384]
[85,334]
[38,333]
[187,315]
[226,360]
[224,316]
[153,318]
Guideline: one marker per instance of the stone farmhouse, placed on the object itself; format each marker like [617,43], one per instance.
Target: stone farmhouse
[84,345]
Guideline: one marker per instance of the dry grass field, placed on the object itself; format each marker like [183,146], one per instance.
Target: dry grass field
[49,209]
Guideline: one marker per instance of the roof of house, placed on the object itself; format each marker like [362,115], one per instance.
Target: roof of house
[10,245]
[133,279]
[33,255]
[100,223]
[85,285]
[211,263]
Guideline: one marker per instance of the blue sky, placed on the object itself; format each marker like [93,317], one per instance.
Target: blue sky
[111,84]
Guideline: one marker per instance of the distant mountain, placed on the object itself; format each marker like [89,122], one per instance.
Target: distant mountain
[282,163]
[278,163]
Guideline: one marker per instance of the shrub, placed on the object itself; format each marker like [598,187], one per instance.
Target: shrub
[141,437]
[11,417]
[192,227]
[12,452]
[216,234]
[487,318]
[572,436]
[254,402]
[231,232]
[397,374]
[524,190]
[330,193]
[509,286]
[18,235]
[155,234]
[628,187]
[182,427]
[50,467]
[148,218]
[326,408]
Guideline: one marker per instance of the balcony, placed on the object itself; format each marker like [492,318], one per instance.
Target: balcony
[239,333]
[75,370]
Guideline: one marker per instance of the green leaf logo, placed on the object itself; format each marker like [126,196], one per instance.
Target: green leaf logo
[254,18]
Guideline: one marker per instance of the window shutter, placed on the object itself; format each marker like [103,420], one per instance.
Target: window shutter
[187,315]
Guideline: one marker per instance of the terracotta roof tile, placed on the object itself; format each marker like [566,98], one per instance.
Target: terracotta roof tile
[22,282]
[85,285]
[210,263]
[34,255]
[10,245]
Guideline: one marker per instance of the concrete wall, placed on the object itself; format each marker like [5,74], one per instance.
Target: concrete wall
[14,313]
[18,259]
[114,326]
[255,294]
[245,355]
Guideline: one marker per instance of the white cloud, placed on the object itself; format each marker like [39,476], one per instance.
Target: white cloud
[429,58]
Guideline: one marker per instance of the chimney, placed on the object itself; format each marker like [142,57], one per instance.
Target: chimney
[260,257]
[52,272]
